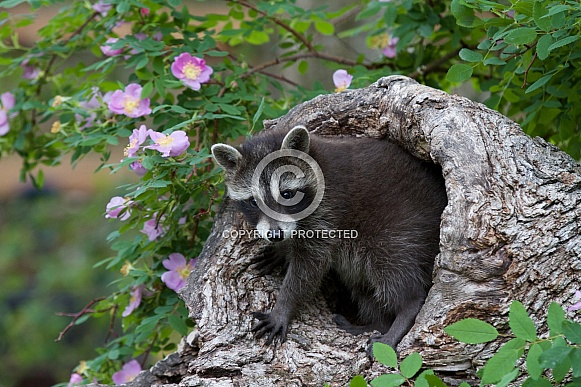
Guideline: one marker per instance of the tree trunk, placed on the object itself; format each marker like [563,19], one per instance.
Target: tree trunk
[510,231]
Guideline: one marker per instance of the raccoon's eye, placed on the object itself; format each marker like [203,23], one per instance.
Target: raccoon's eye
[252,202]
[287,194]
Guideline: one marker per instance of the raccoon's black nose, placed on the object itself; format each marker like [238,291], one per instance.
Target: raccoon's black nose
[275,235]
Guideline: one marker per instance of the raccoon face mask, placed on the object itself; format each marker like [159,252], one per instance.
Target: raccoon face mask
[273,185]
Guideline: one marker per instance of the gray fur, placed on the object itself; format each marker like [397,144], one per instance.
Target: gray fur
[393,201]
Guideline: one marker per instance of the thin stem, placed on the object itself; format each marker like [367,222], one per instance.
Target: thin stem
[76,316]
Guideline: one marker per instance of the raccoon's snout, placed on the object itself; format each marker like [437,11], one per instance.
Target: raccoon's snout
[274,235]
[274,231]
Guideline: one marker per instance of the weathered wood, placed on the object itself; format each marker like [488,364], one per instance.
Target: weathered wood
[510,231]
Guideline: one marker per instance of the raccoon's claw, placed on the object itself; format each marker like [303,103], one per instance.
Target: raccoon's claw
[267,323]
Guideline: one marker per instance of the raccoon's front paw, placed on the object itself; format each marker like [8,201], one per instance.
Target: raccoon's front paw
[269,324]
[379,339]
[268,260]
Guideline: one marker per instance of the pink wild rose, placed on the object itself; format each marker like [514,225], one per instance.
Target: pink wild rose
[152,229]
[191,70]
[576,306]
[75,380]
[29,72]
[137,138]
[102,7]
[134,300]
[118,205]
[129,102]
[389,50]
[7,102]
[107,50]
[128,372]
[342,80]
[138,168]
[173,144]
[178,271]
[89,106]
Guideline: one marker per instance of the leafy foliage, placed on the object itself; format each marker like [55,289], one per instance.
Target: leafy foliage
[99,72]
[557,355]
[527,54]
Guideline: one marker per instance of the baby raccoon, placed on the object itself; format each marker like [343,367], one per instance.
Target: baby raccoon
[363,208]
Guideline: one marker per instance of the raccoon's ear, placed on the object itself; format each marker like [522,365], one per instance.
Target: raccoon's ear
[297,139]
[227,156]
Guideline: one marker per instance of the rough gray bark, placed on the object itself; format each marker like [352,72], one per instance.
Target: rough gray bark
[510,231]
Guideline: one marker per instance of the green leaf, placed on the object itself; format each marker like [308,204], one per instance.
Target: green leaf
[521,35]
[539,83]
[175,3]
[575,357]
[324,27]
[505,381]
[358,381]
[411,365]
[384,354]
[521,324]
[389,380]
[554,356]
[563,42]
[435,381]
[303,67]
[470,56]
[459,73]
[257,37]
[562,369]
[463,14]
[542,382]
[421,380]
[11,3]
[533,366]
[503,362]
[555,318]
[147,90]
[539,10]
[572,331]
[543,46]
[258,113]
[557,9]
[177,324]
[494,61]
[472,331]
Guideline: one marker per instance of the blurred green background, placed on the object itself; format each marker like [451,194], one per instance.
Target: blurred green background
[49,243]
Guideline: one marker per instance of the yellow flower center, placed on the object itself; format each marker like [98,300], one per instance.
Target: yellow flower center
[192,71]
[126,268]
[130,104]
[379,41]
[57,101]
[340,88]
[131,145]
[166,141]
[56,127]
[184,272]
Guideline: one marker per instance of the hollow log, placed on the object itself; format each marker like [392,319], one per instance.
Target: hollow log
[510,231]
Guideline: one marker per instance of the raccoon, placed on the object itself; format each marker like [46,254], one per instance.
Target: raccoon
[363,208]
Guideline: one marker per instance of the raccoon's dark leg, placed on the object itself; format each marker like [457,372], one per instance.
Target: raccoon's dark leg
[402,323]
[303,277]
